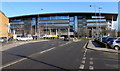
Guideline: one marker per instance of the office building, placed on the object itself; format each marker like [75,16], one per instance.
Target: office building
[68,24]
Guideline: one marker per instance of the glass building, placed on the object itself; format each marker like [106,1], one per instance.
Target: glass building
[72,24]
[119,18]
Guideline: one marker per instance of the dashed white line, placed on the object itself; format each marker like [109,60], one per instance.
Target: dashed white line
[83,61]
[91,58]
[81,66]
[84,55]
[91,62]
[84,58]
[91,67]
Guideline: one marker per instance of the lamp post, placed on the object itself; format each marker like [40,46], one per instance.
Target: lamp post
[95,21]
[38,25]
[100,21]
[98,32]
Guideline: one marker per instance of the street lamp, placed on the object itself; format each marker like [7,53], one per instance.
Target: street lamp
[98,27]
[95,19]
[100,21]
[38,25]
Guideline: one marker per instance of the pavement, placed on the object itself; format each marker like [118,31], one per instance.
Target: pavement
[95,46]
[13,44]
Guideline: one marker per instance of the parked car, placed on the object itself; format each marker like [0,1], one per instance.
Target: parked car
[115,44]
[24,38]
[35,37]
[110,40]
[10,38]
[3,39]
[66,39]
[61,37]
[105,39]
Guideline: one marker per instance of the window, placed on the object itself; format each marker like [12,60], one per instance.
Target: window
[33,21]
[62,17]
[71,18]
[98,16]
[17,23]
[71,23]
[119,39]
[80,16]
[44,18]
[53,17]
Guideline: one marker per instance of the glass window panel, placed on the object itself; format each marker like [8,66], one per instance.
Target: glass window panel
[71,18]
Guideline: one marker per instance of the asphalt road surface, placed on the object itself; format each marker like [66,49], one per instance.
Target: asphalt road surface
[58,54]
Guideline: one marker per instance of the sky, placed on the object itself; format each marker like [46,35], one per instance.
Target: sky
[12,9]
[60,0]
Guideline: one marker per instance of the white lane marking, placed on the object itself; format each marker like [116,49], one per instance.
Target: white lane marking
[91,58]
[65,43]
[47,50]
[81,66]
[91,62]
[91,67]
[84,58]
[84,55]
[13,63]
[26,58]
[30,56]
[83,61]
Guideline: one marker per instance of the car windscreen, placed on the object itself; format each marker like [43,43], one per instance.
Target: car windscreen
[111,39]
[117,41]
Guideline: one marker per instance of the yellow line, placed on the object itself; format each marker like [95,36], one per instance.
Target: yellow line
[85,45]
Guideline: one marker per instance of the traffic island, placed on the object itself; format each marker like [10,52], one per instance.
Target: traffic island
[98,47]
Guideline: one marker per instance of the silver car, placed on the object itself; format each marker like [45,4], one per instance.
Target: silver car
[116,44]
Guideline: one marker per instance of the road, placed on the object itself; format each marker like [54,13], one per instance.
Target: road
[58,54]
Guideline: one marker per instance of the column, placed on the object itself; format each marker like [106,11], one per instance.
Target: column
[50,31]
[56,31]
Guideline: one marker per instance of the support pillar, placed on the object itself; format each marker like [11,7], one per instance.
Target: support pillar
[50,31]
[56,32]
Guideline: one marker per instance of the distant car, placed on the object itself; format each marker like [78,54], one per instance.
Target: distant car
[24,38]
[66,39]
[116,44]
[3,39]
[61,37]
[105,39]
[35,37]
[110,40]
[10,39]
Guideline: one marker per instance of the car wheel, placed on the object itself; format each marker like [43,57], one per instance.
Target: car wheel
[116,48]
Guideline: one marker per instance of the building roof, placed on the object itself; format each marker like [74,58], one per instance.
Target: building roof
[3,14]
[108,15]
